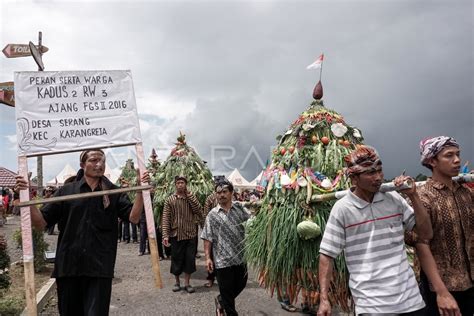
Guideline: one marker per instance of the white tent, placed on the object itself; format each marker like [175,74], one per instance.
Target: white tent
[59,179]
[112,174]
[68,171]
[256,181]
[239,181]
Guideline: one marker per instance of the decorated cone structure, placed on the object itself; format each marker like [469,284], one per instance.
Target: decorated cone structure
[282,241]
[128,178]
[182,161]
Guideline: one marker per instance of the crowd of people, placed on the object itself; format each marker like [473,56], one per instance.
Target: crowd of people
[366,226]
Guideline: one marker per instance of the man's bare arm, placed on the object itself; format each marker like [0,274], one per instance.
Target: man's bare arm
[325,274]
[37,219]
[446,303]
[137,207]
[207,252]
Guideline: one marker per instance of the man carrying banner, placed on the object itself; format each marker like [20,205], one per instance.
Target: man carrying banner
[87,242]
[369,226]
[447,260]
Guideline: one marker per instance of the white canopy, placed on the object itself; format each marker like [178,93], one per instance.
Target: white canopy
[112,174]
[256,181]
[68,171]
[59,179]
[239,181]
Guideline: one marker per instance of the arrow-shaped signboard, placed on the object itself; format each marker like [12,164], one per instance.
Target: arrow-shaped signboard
[20,50]
[7,95]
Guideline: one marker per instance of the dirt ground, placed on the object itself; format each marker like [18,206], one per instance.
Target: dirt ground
[134,293]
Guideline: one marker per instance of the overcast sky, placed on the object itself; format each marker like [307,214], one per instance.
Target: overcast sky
[233,74]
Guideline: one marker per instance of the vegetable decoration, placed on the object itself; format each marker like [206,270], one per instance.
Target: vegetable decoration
[183,160]
[308,229]
[282,244]
[128,178]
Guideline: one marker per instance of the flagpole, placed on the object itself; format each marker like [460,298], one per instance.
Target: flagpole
[321,69]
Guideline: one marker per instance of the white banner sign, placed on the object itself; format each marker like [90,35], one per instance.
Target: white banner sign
[61,111]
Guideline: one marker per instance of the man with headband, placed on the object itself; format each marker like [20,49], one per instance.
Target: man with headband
[223,235]
[369,226]
[447,260]
[87,242]
[180,231]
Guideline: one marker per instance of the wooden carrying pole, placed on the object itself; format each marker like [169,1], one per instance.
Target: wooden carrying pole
[27,243]
[84,195]
[385,187]
[150,221]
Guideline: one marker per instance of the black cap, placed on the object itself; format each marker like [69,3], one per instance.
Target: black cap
[183,178]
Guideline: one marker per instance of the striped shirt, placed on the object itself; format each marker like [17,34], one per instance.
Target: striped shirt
[210,203]
[372,237]
[226,232]
[180,216]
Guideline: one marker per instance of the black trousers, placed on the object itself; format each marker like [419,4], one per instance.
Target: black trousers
[231,281]
[183,256]
[79,296]
[120,228]
[464,299]
[126,231]
[144,244]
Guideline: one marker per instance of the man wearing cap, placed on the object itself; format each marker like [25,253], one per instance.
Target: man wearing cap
[369,226]
[447,260]
[87,242]
[223,236]
[179,230]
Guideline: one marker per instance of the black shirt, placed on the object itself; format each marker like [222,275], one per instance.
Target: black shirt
[87,242]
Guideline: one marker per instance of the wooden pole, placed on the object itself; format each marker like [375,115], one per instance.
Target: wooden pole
[385,187]
[150,221]
[39,159]
[84,195]
[27,243]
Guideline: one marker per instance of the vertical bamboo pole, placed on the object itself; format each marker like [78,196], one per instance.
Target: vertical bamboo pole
[27,243]
[39,159]
[149,220]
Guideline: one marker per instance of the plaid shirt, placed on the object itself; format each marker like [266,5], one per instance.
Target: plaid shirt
[452,218]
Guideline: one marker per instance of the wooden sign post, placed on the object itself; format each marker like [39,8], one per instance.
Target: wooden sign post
[69,111]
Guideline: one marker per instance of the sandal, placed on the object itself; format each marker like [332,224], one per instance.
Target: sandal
[189,289]
[176,288]
[209,284]
[286,305]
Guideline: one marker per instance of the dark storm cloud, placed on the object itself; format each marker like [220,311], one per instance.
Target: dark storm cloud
[397,70]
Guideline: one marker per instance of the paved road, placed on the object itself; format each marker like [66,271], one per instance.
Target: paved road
[133,291]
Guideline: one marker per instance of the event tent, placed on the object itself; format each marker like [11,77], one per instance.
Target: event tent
[239,182]
[257,179]
[68,171]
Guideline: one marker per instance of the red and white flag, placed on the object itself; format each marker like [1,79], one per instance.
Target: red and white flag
[317,64]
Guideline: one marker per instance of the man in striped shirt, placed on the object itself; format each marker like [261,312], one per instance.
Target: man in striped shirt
[369,226]
[180,231]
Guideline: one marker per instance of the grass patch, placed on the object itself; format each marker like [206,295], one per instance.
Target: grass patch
[12,301]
